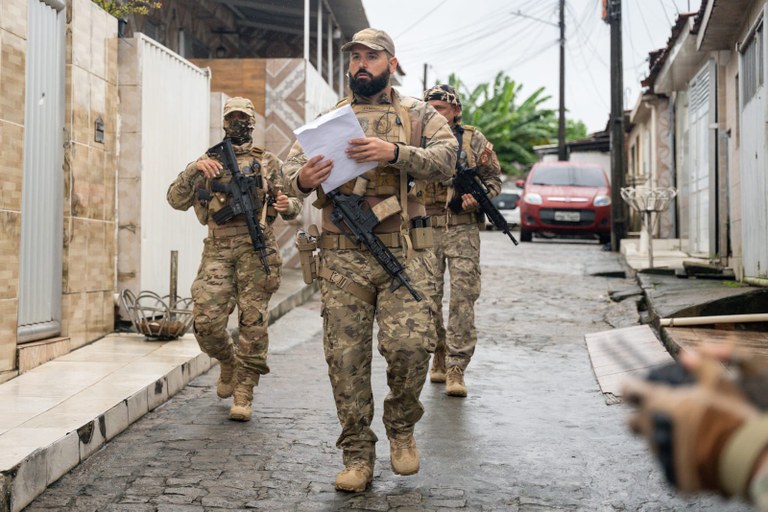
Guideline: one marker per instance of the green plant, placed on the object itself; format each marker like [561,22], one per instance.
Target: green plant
[122,8]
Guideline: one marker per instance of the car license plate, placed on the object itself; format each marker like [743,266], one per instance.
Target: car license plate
[568,216]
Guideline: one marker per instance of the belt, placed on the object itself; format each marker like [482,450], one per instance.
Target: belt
[456,219]
[225,231]
[334,241]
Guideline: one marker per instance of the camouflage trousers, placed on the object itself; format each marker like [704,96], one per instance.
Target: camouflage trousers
[457,248]
[231,274]
[404,325]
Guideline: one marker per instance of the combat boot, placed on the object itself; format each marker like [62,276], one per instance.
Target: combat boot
[226,383]
[403,455]
[242,405]
[454,382]
[437,372]
[355,477]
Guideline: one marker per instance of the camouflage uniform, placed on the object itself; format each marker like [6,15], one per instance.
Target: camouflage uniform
[426,153]
[231,272]
[457,247]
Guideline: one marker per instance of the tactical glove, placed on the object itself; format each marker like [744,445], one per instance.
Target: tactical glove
[688,426]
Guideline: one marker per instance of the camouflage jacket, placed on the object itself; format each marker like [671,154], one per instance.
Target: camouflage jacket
[476,151]
[433,159]
[182,194]
[485,159]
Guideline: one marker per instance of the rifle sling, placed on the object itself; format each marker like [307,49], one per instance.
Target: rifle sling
[451,190]
[346,284]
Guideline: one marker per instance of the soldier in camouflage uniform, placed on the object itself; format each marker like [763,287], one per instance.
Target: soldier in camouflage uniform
[231,272]
[717,428]
[412,144]
[457,245]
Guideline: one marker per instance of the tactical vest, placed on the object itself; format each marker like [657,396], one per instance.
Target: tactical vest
[392,123]
[250,165]
[437,193]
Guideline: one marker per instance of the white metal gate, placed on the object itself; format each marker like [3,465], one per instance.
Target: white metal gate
[754,183]
[39,314]
[701,153]
[175,125]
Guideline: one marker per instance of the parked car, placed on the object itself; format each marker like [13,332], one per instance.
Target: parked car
[507,202]
[566,198]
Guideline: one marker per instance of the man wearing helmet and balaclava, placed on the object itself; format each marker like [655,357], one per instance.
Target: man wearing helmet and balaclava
[457,245]
[231,272]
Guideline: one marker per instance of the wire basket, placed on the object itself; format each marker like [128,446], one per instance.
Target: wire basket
[156,317]
[648,199]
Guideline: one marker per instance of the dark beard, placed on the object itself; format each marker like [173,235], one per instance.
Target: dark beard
[370,87]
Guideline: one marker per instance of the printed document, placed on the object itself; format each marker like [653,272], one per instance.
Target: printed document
[329,135]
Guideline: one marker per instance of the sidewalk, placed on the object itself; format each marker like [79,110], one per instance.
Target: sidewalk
[625,352]
[58,414]
[669,296]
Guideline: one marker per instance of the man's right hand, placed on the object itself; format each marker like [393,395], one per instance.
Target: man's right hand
[687,426]
[210,168]
[314,172]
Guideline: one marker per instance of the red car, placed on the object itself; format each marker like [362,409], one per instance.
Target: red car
[566,198]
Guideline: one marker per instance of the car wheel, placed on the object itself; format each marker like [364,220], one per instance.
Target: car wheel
[605,238]
[526,235]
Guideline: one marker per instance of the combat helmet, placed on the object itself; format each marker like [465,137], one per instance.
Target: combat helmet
[240,104]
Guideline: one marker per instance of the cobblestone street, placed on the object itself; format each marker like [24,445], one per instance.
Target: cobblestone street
[534,434]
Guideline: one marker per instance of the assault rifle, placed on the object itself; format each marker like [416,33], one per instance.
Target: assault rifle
[353,216]
[245,198]
[466,182]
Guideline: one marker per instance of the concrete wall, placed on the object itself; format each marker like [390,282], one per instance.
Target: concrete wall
[90,223]
[88,279]
[13,36]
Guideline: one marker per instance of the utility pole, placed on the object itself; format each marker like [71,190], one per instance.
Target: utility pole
[562,154]
[424,81]
[618,207]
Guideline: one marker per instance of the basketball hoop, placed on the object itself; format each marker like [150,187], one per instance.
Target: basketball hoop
[649,201]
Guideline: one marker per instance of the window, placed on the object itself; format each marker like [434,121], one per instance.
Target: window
[569,176]
[752,64]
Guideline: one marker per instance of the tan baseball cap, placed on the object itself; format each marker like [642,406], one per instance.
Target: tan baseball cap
[373,39]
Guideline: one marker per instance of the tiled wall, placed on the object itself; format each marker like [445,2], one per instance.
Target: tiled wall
[90,172]
[13,41]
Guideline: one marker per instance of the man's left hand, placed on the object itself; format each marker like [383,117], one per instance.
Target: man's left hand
[370,149]
[281,202]
[468,201]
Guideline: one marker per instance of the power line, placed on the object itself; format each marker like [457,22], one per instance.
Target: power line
[665,12]
[428,13]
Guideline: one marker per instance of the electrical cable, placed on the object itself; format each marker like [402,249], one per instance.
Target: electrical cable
[428,13]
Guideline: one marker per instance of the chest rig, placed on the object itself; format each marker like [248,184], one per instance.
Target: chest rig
[440,193]
[392,123]
[214,197]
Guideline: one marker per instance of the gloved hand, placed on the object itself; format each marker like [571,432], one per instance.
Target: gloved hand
[688,426]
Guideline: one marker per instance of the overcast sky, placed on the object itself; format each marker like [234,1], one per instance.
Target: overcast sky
[478,38]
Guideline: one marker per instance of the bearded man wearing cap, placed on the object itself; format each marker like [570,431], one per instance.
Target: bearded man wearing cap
[231,272]
[412,145]
[457,245]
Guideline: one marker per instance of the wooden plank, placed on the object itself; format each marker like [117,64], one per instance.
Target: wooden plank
[688,337]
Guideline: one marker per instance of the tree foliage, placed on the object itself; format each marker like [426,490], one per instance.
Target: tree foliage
[513,123]
[122,8]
